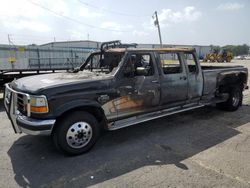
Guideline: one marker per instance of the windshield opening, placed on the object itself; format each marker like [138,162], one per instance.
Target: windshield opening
[106,62]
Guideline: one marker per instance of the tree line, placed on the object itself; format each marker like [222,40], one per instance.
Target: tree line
[235,49]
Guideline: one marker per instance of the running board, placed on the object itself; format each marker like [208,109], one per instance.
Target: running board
[220,98]
[149,116]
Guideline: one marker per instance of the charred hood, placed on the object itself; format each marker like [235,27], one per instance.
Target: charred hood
[34,84]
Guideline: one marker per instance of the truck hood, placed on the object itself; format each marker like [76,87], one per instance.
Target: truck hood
[40,82]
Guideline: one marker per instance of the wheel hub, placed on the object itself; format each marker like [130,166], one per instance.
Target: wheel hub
[236,99]
[79,134]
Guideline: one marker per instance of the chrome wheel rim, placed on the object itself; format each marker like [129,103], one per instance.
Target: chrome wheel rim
[236,99]
[79,134]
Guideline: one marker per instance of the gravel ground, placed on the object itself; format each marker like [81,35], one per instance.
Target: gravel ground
[200,148]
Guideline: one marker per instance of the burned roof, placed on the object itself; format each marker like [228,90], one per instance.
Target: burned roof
[118,47]
[150,49]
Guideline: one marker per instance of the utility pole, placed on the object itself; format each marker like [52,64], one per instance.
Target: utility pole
[9,40]
[156,22]
[11,60]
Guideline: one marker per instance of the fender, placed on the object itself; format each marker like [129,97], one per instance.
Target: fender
[233,77]
[76,104]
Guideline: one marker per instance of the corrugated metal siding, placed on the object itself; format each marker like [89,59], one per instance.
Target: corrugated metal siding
[61,54]
[30,57]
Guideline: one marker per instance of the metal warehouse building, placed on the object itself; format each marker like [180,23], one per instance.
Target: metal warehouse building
[61,55]
[91,45]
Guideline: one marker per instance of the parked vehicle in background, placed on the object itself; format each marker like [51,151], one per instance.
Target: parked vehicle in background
[240,57]
[116,87]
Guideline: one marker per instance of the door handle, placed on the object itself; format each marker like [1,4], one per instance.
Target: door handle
[155,81]
[183,77]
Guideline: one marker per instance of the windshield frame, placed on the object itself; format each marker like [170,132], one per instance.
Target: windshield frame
[88,61]
[82,67]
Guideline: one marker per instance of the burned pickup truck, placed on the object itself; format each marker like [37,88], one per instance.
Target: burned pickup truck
[116,87]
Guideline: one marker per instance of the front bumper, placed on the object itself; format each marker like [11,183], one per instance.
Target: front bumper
[24,123]
[34,126]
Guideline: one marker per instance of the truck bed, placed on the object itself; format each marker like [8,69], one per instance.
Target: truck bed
[212,73]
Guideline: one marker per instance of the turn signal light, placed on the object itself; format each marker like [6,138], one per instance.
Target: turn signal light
[39,109]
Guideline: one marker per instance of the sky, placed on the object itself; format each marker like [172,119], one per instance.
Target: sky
[184,22]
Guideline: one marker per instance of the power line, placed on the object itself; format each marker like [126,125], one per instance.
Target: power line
[40,37]
[71,19]
[12,39]
[20,37]
[111,11]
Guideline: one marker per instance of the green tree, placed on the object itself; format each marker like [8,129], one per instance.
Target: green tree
[215,49]
[237,50]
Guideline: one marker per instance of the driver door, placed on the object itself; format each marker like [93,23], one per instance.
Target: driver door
[138,91]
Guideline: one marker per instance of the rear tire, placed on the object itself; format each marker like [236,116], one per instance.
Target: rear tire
[234,101]
[76,133]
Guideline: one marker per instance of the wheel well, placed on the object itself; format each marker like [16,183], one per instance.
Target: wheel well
[232,81]
[95,111]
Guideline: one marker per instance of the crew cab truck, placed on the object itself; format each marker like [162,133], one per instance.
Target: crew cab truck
[116,87]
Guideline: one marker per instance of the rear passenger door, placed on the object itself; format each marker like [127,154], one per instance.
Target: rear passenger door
[194,75]
[174,84]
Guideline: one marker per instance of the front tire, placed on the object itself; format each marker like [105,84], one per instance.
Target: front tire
[76,133]
[234,101]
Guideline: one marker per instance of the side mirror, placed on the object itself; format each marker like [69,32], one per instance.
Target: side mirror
[141,71]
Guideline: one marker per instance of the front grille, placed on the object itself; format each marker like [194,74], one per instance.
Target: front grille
[7,99]
[15,100]
[21,104]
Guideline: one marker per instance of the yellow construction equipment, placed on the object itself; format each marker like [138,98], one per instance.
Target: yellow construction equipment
[212,57]
[224,55]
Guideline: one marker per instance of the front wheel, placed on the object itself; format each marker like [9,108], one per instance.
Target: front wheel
[234,101]
[76,133]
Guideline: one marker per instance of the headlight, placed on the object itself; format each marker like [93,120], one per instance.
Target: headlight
[38,104]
